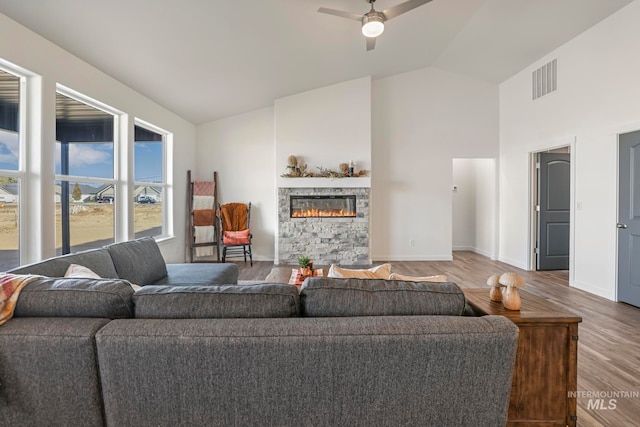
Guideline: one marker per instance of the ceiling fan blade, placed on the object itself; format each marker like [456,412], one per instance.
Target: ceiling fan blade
[341,14]
[371,43]
[401,8]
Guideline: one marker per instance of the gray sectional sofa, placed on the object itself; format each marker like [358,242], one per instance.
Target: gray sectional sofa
[341,352]
[137,261]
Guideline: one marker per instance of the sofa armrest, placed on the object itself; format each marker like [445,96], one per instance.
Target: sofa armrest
[49,372]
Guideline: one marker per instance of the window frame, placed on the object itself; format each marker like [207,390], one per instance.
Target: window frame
[117,150]
[166,184]
[20,174]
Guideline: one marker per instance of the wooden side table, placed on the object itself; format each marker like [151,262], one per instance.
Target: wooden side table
[546,366]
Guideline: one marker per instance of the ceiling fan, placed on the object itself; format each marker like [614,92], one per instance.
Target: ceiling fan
[373,21]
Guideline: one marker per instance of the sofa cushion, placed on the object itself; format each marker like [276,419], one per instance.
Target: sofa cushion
[324,296]
[377,272]
[97,260]
[72,297]
[139,261]
[200,274]
[214,301]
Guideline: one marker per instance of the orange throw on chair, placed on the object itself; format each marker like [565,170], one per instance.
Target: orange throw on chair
[236,231]
[234,216]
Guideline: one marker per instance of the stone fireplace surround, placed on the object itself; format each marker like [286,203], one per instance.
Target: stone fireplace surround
[326,241]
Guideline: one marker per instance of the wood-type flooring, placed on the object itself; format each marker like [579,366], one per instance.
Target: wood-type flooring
[609,343]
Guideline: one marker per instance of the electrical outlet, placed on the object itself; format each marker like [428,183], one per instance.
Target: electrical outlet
[412,243]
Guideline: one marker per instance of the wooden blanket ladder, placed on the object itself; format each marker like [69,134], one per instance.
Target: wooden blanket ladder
[201,234]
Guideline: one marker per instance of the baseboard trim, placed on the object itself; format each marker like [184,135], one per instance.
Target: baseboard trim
[587,287]
[475,250]
[514,263]
[485,253]
[381,258]
[464,248]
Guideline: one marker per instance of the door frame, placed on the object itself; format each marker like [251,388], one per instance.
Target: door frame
[615,134]
[532,212]
[632,127]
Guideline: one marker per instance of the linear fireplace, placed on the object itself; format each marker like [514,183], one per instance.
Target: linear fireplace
[325,239]
[342,206]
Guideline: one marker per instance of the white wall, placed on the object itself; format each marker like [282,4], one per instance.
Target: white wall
[50,66]
[325,127]
[241,149]
[598,89]
[421,121]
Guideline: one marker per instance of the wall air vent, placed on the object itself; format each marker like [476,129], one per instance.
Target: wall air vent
[545,79]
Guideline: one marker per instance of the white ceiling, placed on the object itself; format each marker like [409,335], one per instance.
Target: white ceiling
[209,59]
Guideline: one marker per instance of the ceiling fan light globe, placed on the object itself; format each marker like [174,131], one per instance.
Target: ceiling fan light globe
[372,25]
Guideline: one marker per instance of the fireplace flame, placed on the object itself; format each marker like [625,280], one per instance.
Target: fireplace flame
[322,213]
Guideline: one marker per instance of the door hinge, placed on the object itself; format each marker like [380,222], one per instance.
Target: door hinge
[574,337]
[537,208]
[537,250]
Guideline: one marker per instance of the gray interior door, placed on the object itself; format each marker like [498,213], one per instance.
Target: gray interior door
[554,189]
[629,218]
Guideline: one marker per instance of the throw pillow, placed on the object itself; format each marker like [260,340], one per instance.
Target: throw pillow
[236,237]
[378,272]
[81,272]
[438,278]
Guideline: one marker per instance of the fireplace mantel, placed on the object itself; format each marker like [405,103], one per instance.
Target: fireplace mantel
[359,182]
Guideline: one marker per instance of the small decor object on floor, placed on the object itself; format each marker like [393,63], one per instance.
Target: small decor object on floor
[495,294]
[306,266]
[510,297]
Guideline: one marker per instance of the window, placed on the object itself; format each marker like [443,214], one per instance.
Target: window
[150,187]
[11,171]
[85,184]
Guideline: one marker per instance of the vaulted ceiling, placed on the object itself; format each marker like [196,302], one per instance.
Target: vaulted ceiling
[206,59]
